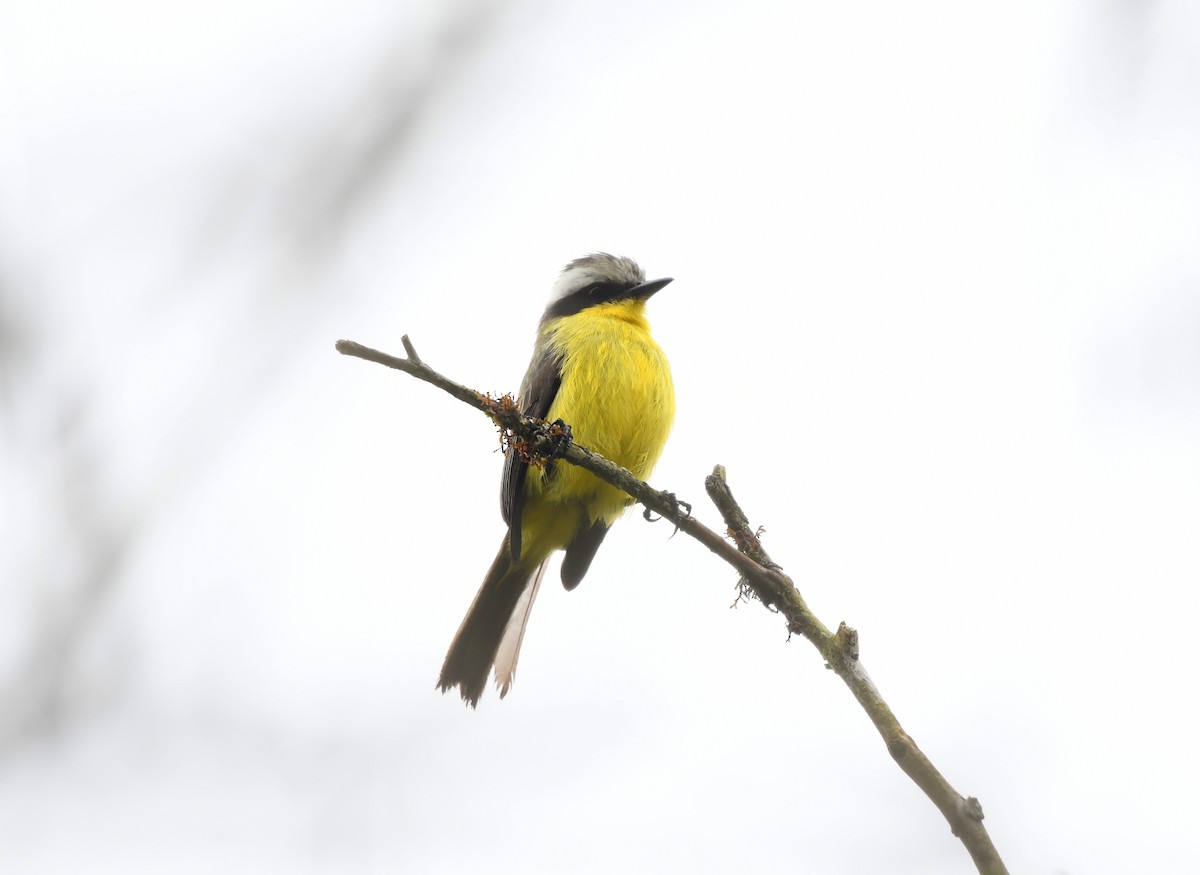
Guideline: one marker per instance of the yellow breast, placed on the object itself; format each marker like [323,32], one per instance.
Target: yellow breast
[617,396]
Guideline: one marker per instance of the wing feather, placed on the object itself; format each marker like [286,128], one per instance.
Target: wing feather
[538,390]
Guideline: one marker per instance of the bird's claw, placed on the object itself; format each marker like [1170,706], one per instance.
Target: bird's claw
[560,435]
[677,516]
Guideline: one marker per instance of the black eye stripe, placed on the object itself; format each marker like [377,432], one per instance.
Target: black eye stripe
[581,299]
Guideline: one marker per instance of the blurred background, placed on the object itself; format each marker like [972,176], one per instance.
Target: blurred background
[937,309]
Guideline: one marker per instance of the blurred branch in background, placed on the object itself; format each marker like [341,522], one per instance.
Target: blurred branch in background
[83,517]
[81,555]
[348,158]
[761,577]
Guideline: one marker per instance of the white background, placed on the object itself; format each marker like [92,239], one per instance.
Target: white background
[937,309]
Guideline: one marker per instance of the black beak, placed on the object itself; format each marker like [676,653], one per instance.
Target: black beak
[645,290]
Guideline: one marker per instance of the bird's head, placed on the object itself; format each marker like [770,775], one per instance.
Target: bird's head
[599,278]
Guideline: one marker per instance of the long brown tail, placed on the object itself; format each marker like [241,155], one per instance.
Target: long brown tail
[492,630]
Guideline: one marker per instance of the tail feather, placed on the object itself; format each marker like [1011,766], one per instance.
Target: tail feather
[514,632]
[492,630]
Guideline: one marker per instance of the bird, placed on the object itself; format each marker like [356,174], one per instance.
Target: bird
[596,368]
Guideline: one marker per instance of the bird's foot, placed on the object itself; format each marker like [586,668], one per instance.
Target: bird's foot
[560,436]
[678,512]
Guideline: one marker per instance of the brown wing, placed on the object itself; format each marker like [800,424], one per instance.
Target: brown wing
[537,394]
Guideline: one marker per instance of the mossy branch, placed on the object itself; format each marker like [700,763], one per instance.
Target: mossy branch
[760,577]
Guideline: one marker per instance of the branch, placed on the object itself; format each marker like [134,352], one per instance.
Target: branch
[760,577]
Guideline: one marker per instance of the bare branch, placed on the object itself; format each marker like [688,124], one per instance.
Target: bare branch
[764,578]
[840,650]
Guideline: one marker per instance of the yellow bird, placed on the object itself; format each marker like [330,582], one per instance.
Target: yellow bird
[595,367]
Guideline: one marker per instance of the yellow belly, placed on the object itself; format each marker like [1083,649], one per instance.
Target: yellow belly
[618,398]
